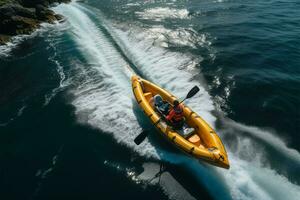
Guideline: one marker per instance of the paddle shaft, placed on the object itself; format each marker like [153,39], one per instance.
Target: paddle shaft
[191,93]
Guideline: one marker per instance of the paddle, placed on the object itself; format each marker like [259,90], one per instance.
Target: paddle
[141,137]
[191,93]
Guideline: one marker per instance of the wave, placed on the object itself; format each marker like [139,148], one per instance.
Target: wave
[63,81]
[161,13]
[103,99]
[267,137]
[251,180]
[5,50]
[104,90]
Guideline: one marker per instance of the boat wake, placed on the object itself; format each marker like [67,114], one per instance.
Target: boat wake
[103,99]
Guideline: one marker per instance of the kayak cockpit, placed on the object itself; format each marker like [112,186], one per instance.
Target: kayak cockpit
[161,107]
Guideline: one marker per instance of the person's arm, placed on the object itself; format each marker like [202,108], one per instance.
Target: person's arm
[151,102]
[170,115]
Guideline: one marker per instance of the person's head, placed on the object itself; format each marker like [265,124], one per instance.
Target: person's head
[175,103]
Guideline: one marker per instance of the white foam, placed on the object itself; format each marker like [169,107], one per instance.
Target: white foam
[171,70]
[161,13]
[220,1]
[106,92]
[5,50]
[180,37]
[63,82]
[267,137]
[251,180]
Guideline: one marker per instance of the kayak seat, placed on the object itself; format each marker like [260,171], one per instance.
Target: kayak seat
[195,139]
[161,106]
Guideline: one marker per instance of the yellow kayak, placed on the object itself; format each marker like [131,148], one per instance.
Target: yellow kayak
[200,141]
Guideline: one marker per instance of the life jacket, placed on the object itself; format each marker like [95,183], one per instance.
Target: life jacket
[178,113]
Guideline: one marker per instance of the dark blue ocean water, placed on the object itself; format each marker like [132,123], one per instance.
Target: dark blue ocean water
[68,117]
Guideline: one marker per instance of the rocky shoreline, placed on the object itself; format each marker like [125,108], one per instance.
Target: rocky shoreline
[24,16]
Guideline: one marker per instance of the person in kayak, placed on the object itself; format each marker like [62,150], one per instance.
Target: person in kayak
[175,116]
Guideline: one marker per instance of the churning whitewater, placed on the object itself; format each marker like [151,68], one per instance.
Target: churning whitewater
[111,52]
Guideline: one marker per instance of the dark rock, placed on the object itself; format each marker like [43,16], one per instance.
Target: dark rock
[19,25]
[15,17]
[50,19]
[25,12]
[6,12]
[40,8]
[24,16]
[45,14]
[4,39]
[10,10]
[62,1]
[59,17]
[32,3]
